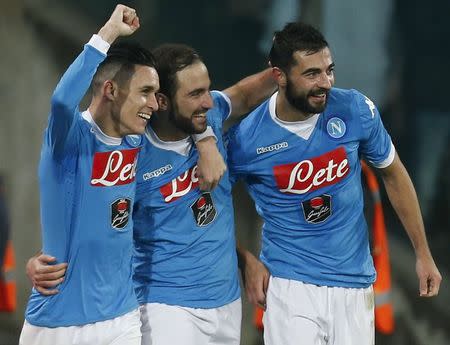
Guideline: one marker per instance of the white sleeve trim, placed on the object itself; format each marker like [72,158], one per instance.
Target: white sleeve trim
[227,99]
[99,43]
[207,133]
[388,161]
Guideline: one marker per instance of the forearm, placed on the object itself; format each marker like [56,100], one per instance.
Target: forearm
[210,166]
[70,91]
[78,77]
[76,80]
[109,33]
[244,256]
[250,92]
[403,198]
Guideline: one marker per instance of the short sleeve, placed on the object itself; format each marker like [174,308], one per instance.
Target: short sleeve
[222,107]
[376,145]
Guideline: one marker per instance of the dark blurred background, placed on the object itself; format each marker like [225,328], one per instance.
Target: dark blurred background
[394,51]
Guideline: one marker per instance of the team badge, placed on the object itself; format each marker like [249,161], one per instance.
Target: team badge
[204,210]
[133,140]
[318,209]
[336,128]
[120,213]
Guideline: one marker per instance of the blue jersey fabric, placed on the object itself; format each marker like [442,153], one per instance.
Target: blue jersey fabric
[308,191]
[87,190]
[184,239]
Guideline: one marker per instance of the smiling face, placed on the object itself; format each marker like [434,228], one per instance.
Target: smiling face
[192,99]
[309,81]
[136,101]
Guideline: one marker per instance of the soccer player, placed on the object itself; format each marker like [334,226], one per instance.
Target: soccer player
[185,259]
[87,182]
[316,274]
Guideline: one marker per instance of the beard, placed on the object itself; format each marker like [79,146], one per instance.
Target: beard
[300,101]
[184,123]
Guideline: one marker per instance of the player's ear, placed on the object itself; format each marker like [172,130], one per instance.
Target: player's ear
[110,89]
[279,76]
[163,101]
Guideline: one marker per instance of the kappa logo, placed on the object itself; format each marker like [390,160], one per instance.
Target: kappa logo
[317,209]
[114,168]
[274,147]
[157,172]
[371,106]
[120,213]
[204,210]
[312,174]
[336,128]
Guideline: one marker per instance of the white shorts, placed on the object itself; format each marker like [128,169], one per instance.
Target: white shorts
[169,324]
[299,313]
[122,330]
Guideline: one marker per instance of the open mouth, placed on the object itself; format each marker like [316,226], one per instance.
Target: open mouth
[319,96]
[145,116]
[199,116]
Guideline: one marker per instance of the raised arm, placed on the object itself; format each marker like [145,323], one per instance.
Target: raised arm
[76,80]
[123,22]
[250,92]
[403,198]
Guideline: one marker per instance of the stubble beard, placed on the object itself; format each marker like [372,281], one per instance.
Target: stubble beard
[300,102]
[184,124]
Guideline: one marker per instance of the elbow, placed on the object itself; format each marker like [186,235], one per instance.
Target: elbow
[57,100]
[60,99]
[58,104]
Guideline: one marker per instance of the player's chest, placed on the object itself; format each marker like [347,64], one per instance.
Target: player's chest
[108,168]
[164,178]
[173,189]
[293,165]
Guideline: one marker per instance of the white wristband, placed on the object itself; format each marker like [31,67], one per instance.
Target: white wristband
[99,43]
[207,133]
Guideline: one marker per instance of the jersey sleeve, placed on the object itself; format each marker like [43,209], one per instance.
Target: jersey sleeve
[235,156]
[376,145]
[221,110]
[69,93]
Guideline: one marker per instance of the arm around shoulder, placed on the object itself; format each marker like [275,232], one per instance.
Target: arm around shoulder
[210,166]
[44,274]
[250,92]
[76,80]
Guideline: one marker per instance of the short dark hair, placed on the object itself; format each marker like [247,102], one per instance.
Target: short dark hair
[170,59]
[120,62]
[294,37]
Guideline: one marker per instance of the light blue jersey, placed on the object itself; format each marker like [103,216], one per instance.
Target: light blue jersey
[184,239]
[87,183]
[305,179]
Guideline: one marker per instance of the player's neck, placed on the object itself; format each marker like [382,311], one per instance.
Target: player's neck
[286,112]
[164,128]
[103,120]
